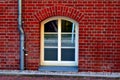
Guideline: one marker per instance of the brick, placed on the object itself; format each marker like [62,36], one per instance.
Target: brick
[98,32]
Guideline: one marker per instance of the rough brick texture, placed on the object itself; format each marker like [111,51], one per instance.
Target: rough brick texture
[9,35]
[99,28]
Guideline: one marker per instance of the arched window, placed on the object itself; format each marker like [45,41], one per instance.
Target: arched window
[59,42]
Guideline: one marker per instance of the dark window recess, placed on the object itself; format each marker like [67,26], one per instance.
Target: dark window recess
[66,26]
[50,54]
[68,55]
[51,26]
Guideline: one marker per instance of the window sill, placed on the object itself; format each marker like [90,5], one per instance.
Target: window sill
[59,68]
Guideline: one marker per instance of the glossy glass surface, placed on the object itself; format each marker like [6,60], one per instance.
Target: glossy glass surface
[51,40]
[68,54]
[51,26]
[50,54]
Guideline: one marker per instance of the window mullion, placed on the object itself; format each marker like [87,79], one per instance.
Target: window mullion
[59,39]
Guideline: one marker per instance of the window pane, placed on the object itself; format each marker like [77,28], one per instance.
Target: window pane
[51,26]
[50,54]
[68,40]
[51,40]
[67,26]
[68,55]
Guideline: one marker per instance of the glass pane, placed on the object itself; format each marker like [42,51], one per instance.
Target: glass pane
[67,26]
[51,26]
[68,55]
[68,40]
[50,54]
[51,40]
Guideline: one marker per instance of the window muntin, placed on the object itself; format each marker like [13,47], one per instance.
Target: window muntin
[67,36]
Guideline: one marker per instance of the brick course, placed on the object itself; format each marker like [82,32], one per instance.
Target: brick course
[99,28]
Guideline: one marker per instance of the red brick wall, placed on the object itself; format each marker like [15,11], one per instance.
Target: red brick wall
[9,35]
[99,28]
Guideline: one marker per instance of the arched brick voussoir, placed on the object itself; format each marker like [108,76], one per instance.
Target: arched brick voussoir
[59,11]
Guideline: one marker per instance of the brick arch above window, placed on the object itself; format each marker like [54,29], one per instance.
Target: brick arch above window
[59,11]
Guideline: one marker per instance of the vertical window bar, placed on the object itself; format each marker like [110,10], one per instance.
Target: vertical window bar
[73,28]
[59,40]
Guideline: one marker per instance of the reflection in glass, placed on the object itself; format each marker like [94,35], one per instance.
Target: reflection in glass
[67,40]
[67,26]
[66,35]
[50,54]
[51,40]
[51,26]
[68,55]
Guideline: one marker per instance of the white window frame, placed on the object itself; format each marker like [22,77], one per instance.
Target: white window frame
[59,62]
